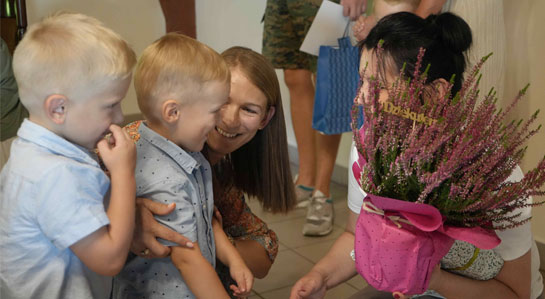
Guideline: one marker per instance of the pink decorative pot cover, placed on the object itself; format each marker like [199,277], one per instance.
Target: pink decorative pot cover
[393,255]
[398,243]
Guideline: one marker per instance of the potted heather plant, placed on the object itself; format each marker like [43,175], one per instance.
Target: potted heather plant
[435,170]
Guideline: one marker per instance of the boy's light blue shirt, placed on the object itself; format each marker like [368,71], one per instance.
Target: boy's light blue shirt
[51,196]
[166,173]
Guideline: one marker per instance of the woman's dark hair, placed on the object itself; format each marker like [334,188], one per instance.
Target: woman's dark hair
[445,37]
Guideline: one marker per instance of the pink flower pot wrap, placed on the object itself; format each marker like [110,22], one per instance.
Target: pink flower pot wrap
[397,251]
[398,243]
[396,256]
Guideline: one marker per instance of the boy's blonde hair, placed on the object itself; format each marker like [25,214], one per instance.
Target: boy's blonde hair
[70,54]
[172,66]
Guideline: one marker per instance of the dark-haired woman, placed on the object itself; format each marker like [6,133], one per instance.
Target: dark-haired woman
[446,38]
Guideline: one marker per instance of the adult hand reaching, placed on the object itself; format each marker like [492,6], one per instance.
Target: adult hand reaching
[310,286]
[147,230]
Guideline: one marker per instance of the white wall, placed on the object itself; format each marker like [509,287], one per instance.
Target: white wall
[140,22]
[525,64]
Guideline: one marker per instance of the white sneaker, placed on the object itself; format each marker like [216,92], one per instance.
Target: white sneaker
[319,220]
[302,193]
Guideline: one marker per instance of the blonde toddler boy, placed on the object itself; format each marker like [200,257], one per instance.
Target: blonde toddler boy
[181,85]
[57,240]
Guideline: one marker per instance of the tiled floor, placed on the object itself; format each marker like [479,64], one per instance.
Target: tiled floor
[297,253]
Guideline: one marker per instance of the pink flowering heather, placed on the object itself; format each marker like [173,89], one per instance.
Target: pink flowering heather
[450,152]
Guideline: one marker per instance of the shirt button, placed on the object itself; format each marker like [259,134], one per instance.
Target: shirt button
[204,206]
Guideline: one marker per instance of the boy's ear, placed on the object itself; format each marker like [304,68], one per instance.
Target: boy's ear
[170,111]
[55,108]
[267,118]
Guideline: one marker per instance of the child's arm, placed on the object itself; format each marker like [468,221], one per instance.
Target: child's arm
[229,256]
[353,8]
[105,250]
[255,242]
[197,272]
[381,8]
[429,7]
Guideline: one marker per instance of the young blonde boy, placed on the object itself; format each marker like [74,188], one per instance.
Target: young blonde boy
[57,240]
[181,85]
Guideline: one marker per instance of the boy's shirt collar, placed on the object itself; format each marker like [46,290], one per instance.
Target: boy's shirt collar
[187,160]
[42,137]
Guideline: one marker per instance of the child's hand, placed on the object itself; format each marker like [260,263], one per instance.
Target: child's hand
[118,151]
[362,26]
[243,277]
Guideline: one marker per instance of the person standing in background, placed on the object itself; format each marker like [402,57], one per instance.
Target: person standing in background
[179,16]
[286,22]
[485,18]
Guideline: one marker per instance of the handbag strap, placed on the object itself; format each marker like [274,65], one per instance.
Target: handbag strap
[344,42]
[346,31]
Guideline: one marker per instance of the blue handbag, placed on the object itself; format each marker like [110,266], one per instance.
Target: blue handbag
[336,84]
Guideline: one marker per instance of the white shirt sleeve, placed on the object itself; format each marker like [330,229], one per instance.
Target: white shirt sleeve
[355,193]
[515,242]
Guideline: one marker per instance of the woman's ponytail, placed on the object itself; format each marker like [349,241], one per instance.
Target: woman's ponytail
[452,30]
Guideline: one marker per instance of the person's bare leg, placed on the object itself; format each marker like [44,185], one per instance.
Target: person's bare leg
[301,89]
[179,16]
[326,154]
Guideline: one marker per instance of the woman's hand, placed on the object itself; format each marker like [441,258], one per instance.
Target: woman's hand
[311,285]
[147,230]
[218,217]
